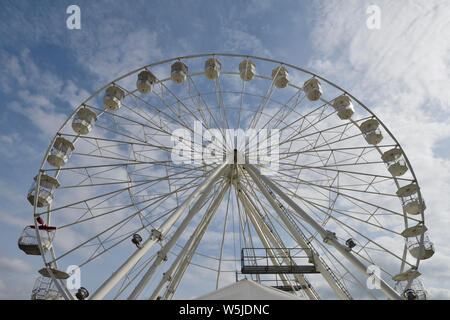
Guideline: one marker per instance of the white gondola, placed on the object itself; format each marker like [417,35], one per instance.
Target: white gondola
[280,77]
[413,244]
[371,131]
[415,291]
[344,106]
[313,89]
[394,161]
[113,98]
[408,195]
[47,187]
[145,81]
[83,121]
[179,71]
[60,152]
[212,68]
[28,240]
[247,70]
[45,289]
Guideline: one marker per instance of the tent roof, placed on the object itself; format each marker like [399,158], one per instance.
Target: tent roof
[248,290]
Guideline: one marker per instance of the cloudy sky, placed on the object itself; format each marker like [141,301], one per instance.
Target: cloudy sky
[401,70]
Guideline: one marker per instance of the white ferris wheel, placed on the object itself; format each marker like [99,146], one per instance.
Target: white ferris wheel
[192,173]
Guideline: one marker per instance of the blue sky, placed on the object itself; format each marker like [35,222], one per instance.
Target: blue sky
[402,71]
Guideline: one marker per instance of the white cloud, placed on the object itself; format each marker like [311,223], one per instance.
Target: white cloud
[13,220]
[109,54]
[439,294]
[238,40]
[401,72]
[38,92]
[15,265]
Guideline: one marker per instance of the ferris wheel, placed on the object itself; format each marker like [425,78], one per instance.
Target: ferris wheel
[189,174]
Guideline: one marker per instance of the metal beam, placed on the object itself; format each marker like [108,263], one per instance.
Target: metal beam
[262,232]
[156,236]
[310,292]
[162,254]
[189,244]
[328,236]
[299,237]
[277,269]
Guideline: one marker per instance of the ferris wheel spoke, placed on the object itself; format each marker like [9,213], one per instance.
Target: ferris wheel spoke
[134,231]
[201,193]
[118,142]
[179,120]
[319,170]
[295,137]
[129,121]
[324,209]
[89,199]
[345,127]
[149,123]
[118,165]
[300,239]
[303,119]
[282,108]
[329,188]
[168,117]
[268,217]
[112,281]
[187,127]
[106,195]
[350,198]
[247,245]
[156,199]
[327,252]
[318,206]
[324,233]
[241,104]
[263,103]
[178,100]
[299,98]
[340,222]
[196,100]
[265,236]
[207,107]
[223,239]
[135,138]
[220,104]
[133,274]
[96,236]
[174,274]
[115,181]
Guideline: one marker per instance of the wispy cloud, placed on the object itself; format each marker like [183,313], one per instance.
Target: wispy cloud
[401,72]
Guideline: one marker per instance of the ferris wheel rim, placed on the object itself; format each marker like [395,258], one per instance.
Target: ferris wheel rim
[241,56]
